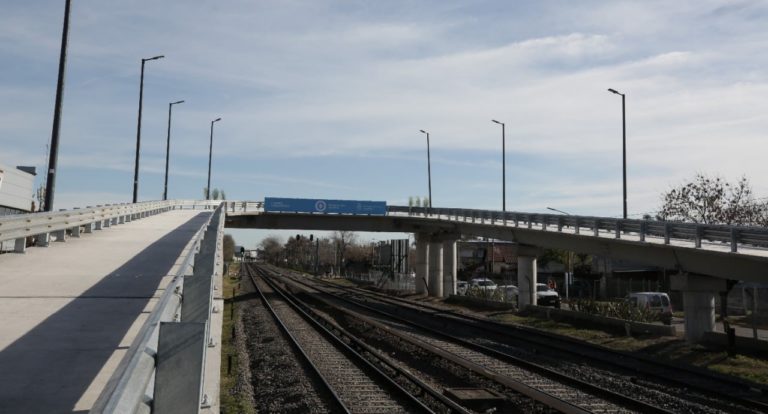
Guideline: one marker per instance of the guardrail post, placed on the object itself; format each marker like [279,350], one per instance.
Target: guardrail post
[734,239]
[61,235]
[577,225]
[528,220]
[98,224]
[43,239]
[517,221]
[666,233]
[107,223]
[618,229]
[121,220]
[21,245]
[88,228]
[76,231]
[643,230]
[559,224]
[596,229]
[697,236]
[543,224]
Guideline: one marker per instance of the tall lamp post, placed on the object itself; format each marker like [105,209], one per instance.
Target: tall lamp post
[138,129]
[429,169]
[168,148]
[210,155]
[623,144]
[503,168]
[53,157]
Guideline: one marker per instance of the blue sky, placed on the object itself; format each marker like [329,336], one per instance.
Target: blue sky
[326,98]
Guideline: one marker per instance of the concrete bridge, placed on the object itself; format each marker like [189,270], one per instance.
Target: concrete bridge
[705,256]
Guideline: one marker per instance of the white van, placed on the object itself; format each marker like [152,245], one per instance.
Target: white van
[655,301]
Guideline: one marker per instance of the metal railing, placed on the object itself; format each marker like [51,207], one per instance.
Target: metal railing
[20,226]
[601,226]
[131,389]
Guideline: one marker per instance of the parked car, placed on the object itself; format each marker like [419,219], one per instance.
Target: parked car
[546,296]
[654,301]
[484,284]
[461,287]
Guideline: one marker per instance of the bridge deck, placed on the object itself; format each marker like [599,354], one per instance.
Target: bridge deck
[69,312]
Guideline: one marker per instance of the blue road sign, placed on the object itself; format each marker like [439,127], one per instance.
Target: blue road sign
[307,205]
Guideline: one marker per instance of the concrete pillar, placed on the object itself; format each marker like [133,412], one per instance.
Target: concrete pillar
[698,302]
[526,280]
[449,268]
[422,262]
[436,269]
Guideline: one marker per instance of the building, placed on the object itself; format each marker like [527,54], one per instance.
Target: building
[16,189]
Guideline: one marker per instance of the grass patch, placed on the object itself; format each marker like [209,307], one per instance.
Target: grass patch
[231,401]
[668,348]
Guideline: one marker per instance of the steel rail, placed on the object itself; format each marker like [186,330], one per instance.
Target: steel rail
[543,397]
[410,398]
[565,344]
[457,408]
[295,343]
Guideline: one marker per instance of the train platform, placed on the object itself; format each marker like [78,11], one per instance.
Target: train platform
[69,312]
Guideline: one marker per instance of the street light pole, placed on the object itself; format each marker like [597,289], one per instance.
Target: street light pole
[138,129]
[53,157]
[503,168]
[210,155]
[168,149]
[623,144]
[429,169]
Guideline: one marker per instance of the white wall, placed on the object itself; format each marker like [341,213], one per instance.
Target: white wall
[16,188]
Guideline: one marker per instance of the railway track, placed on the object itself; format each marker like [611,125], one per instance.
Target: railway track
[355,384]
[549,388]
[699,386]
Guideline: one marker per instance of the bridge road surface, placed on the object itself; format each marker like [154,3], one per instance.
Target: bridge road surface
[69,312]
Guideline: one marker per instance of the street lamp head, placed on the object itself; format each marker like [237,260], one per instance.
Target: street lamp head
[177,102]
[153,58]
[614,91]
[216,120]
[500,123]
[559,211]
[423,131]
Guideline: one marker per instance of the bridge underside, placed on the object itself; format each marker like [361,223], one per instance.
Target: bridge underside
[686,259]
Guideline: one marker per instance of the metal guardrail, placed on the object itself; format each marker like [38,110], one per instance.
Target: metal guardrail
[133,386]
[20,226]
[597,226]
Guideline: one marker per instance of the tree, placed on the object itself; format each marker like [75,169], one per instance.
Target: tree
[272,249]
[712,200]
[229,247]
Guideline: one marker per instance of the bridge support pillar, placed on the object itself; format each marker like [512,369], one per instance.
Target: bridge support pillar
[526,276]
[449,268]
[422,262]
[436,269]
[698,302]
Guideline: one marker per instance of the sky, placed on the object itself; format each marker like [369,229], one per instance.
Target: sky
[325,99]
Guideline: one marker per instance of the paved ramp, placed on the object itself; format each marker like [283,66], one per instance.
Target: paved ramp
[69,312]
